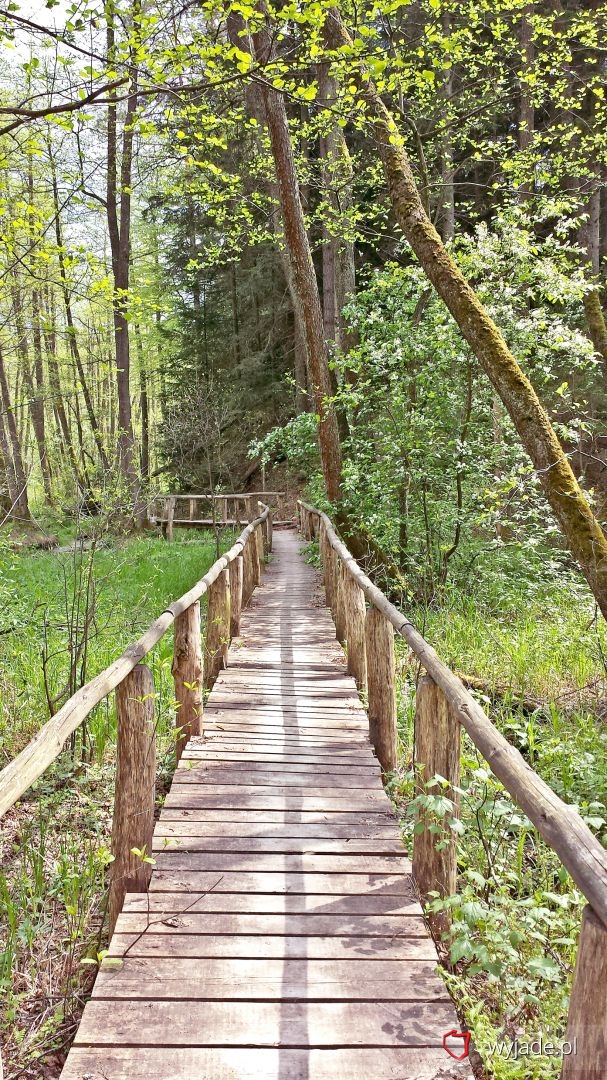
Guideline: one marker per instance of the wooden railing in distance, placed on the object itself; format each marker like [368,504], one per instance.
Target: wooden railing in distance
[229,584]
[443,706]
[171,511]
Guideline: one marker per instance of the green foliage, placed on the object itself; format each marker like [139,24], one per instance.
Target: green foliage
[296,442]
[432,463]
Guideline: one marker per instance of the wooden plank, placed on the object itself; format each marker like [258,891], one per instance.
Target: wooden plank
[253,1023]
[193,798]
[222,773]
[281,817]
[258,947]
[296,725]
[275,703]
[234,831]
[377,903]
[283,882]
[226,1063]
[140,978]
[178,841]
[294,864]
[261,726]
[285,924]
[327,762]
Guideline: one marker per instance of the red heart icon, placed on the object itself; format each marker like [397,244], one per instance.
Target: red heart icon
[465,1035]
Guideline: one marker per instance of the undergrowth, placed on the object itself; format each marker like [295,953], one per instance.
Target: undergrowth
[536,651]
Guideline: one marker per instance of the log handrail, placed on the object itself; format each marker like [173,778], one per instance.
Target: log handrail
[48,743]
[558,823]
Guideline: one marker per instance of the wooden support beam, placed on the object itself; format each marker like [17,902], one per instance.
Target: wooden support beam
[260,551]
[236,594]
[170,514]
[133,821]
[586,1037]
[218,628]
[248,570]
[355,611]
[381,687]
[187,675]
[327,561]
[436,753]
[339,613]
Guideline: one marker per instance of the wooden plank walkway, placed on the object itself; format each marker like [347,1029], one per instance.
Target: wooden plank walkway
[281,938]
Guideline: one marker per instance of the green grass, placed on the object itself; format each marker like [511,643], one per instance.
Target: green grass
[44,601]
[55,843]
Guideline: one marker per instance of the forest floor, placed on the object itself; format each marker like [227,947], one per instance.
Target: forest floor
[63,618]
[526,630]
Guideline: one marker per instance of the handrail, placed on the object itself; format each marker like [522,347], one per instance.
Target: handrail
[222,495]
[558,823]
[47,744]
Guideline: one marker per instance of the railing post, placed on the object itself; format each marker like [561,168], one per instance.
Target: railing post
[263,533]
[437,751]
[170,514]
[187,675]
[192,509]
[381,689]
[258,536]
[339,614]
[248,508]
[587,1022]
[268,533]
[355,612]
[236,594]
[249,574]
[327,563]
[218,628]
[133,821]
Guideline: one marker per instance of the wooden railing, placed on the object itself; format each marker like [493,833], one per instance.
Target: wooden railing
[443,707]
[229,584]
[183,511]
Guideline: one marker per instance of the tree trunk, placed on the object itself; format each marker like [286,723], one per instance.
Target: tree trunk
[71,329]
[118,204]
[300,257]
[19,499]
[590,241]
[526,111]
[446,215]
[65,433]
[34,392]
[144,403]
[585,538]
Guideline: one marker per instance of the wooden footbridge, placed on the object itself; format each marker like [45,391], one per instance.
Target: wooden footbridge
[278,933]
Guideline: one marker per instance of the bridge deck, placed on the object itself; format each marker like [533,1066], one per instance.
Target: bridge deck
[281,938]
